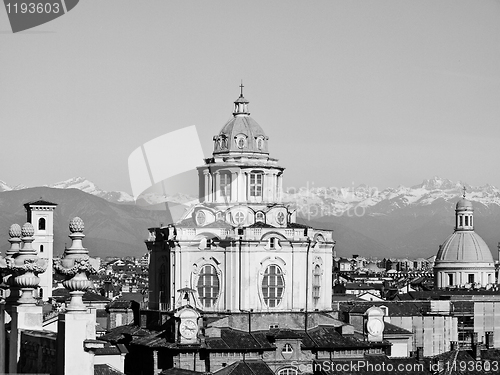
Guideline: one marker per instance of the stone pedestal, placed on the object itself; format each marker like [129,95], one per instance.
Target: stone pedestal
[23,318]
[73,330]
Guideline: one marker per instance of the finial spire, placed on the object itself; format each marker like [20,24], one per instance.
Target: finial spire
[465,190]
[241,89]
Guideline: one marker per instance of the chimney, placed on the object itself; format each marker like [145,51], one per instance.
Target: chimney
[474,338]
[489,340]
[420,353]
[476,348]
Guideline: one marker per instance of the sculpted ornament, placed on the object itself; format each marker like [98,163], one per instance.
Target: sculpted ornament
[86,264]
[35,266]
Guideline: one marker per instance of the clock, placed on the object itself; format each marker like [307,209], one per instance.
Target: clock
[188,329]
[375,327]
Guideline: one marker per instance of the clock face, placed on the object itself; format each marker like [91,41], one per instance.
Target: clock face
[188,329]
[375,327]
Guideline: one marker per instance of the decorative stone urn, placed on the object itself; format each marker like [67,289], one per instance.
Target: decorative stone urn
[15,246]
[76,266]
[25,265]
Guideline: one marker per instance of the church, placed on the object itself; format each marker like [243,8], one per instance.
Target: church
[240,248]
[464,258]
[237,284]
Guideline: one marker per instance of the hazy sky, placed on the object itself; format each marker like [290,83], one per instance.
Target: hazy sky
[376,92]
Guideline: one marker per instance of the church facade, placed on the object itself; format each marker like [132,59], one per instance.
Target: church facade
[240,248]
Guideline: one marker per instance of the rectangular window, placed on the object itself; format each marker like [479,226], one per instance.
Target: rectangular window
[466,220]
[225,185]
[471,278]
[450,279]
[256,184]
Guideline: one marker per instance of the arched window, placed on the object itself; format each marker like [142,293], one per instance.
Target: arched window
[41,248]
[259,216]
[288,371]
[208,286]
[273,285]
[272,242]
[316,284]
[41,224]
[287,348]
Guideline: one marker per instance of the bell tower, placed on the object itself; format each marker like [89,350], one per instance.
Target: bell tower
[41,215]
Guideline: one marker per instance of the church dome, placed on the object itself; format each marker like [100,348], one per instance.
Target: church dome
[241,134]
[464,204]
[464,246]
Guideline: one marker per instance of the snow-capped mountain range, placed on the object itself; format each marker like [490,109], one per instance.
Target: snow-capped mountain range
[81,183]
[324,201]
[337,201]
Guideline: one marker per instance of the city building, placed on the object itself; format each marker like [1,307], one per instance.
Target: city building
[464,258]
[240,248]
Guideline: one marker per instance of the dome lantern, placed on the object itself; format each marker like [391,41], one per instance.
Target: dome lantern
[464,212]
[241,104]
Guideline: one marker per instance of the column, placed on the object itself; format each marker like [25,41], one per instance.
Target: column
[280,187]
[217,195]
[24,269]
[234,186]
[210,188]
[265,186]
[76,327]
[206,186]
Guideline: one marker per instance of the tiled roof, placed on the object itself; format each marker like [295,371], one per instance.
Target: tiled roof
[328,337]
[178,371]
[249,367]
[413,308]
[231,339]
[297,225]
[120,304]
[111,349]
[121,332]
[260,224]
[40,202]
[106,370]
[391,329]
[187,223]
[154,340]
[281,334]
[219,224]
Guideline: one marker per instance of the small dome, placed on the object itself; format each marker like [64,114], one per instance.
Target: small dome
[464,204]
[241,134]
[463,246]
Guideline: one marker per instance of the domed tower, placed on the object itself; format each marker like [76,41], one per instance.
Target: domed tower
[241,182]
[464,258]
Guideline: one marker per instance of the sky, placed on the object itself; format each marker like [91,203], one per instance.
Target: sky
[384,93]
